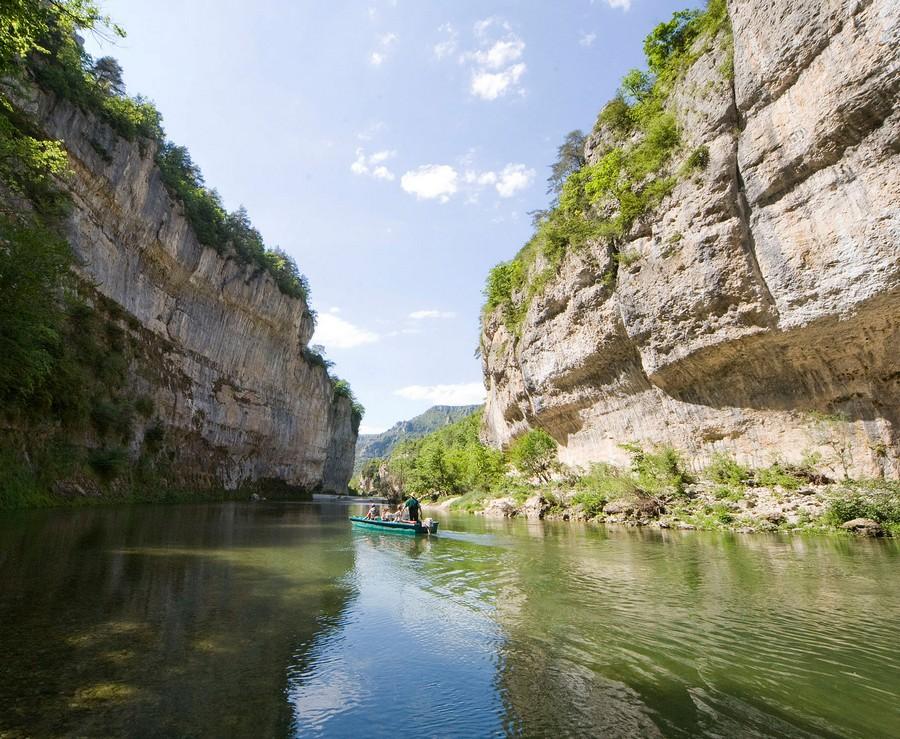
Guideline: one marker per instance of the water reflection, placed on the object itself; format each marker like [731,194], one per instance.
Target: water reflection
[415,652]
[173,621]
[279,620]
[641,633]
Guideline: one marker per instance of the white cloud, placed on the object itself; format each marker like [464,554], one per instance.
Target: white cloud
[385,41]
[418,315]
[482,27]
[623,4]
[491,85]
[587,39]
[501,53]
[336,333]
[514,177]
[372,165]
[448,46]
[431,181]
[462,394]
[496,65]
[480,178]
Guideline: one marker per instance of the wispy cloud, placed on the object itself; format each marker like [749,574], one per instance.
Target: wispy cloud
[443,181]
[431,181]
[513,177]
[372,130]
[587,39]
[621,4]
[467,393]
[448,46]
[418,315]
[496,63]
[335,333]
[491,85]
[373,165]
[385,42]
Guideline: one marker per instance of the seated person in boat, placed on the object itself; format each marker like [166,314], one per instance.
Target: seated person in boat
[414,507]
[373,512]
[398,514]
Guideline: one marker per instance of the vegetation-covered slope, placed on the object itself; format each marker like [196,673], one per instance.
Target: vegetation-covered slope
[372,446]
[123,363]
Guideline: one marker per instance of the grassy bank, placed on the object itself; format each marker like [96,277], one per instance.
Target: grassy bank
[656,492]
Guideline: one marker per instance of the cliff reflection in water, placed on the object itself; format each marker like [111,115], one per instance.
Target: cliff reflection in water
[654,633]
[279,620]
[176,620]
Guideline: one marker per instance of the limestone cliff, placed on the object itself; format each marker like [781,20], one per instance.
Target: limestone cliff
[221,347]
[758,311]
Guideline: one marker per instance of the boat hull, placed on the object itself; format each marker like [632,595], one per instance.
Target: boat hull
[412,528]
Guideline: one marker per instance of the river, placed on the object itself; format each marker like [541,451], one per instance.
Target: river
[271,620]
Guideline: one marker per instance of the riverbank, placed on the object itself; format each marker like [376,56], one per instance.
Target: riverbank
[870,508]
[85,491]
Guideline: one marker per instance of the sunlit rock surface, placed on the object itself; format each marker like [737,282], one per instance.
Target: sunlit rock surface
[764,292]
[222,346]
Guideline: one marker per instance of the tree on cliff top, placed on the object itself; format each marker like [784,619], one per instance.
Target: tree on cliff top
[569,159]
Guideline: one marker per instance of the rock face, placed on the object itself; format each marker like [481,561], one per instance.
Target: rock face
[759,311]
[223,346]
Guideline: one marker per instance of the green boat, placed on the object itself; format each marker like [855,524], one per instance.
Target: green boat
[397,527]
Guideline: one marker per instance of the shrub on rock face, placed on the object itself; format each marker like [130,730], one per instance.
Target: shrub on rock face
[109,462]
[658,472]
[534,454]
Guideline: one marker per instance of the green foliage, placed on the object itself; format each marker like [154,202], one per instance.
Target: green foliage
[67,71]
[25,26]
[778,474]
[658,472]
[569,159]
[698,159]
[724,469]
[878,500]
[108,462]
[62,66]
[342,389]
[144,406]
[113,418]
[472,501]
[20,486]
[534,454]
[602,484]
[34,262]
[154,435]
[616,116]
[449,461]
[636,86]
[604,200]
[670,38]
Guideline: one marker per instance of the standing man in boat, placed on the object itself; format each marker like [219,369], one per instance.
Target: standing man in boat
[414,507]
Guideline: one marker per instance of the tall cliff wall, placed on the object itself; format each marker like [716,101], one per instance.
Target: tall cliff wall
[763,293]
[220,347]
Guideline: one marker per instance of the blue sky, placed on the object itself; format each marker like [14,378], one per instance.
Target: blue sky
[393,147]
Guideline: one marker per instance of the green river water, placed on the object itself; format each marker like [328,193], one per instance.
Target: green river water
[271,620]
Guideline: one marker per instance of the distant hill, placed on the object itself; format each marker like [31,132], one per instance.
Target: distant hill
[370,446]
